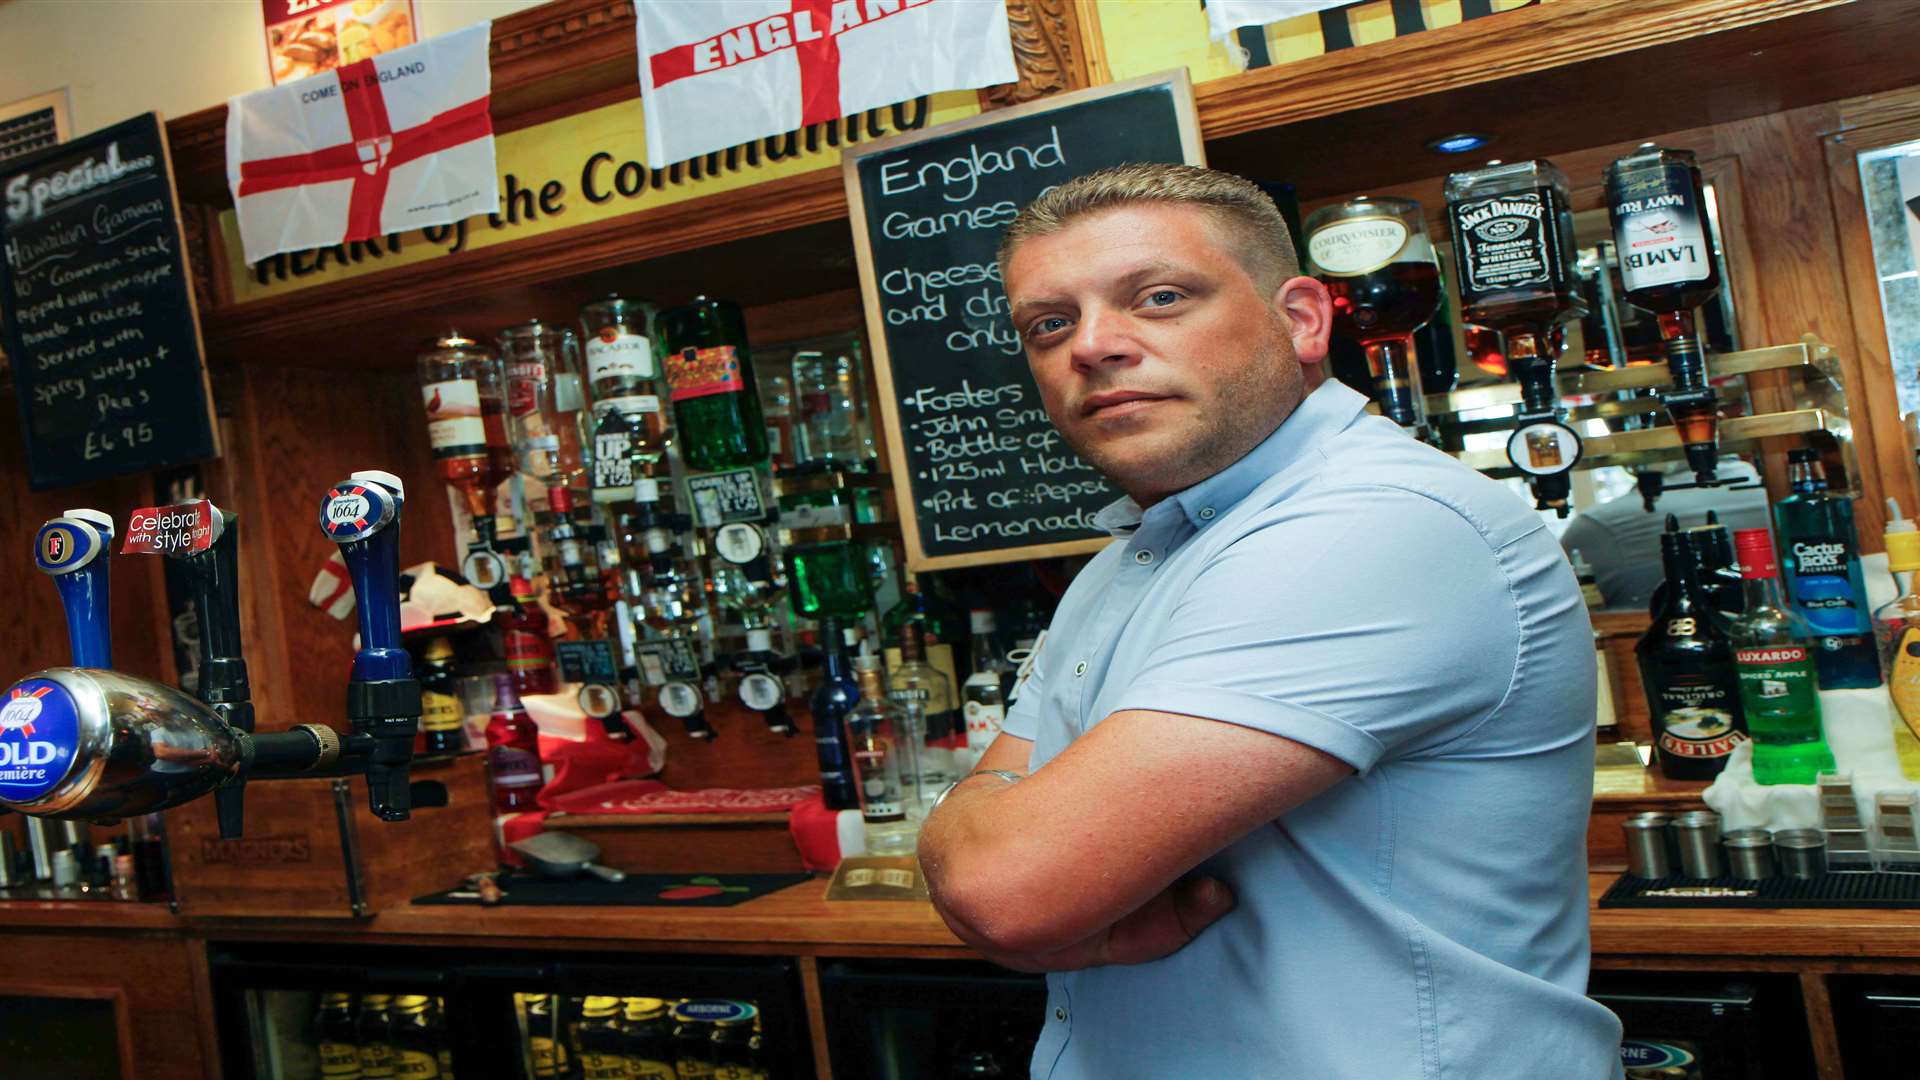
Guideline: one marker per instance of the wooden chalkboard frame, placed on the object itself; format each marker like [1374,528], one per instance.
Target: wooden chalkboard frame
[1180,87]
[40,477]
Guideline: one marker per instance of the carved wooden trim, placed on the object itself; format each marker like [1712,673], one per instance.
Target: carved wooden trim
[1046,50]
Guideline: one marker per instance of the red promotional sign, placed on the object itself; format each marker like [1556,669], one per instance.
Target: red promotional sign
[180,529]
[307,37]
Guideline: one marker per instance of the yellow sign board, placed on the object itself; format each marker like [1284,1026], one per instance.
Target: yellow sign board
[578,170]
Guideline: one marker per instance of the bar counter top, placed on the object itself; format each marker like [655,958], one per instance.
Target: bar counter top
[800,921]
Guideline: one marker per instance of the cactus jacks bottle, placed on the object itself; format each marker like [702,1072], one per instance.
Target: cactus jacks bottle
[1822,556]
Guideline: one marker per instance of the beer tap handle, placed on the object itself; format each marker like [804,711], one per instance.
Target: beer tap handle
[362,515]
[213,576]
[74,548]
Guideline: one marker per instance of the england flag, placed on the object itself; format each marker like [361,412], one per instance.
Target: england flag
[399,141]
[716,73]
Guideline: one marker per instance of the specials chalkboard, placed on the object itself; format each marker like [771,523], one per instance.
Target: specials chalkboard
[99,316]
[980,475]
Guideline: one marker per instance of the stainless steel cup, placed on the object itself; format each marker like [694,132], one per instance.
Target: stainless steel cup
[1749,854]
[1802,852]
[1647,846]
[1699,847]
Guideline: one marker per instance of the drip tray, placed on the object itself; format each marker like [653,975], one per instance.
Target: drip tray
[1861,890]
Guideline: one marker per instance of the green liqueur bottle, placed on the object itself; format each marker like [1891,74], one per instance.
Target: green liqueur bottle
[716,409]
[1779,688]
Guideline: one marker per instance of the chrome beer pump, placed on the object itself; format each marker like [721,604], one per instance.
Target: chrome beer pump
[87,742]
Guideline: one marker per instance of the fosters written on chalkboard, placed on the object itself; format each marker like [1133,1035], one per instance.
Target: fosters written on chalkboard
[99,318]
[980,474]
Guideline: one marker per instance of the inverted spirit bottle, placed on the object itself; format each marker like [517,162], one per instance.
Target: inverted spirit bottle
[1821,553]
[1663,238]
[460,385]
[628,425]
[1687,666]
[1779,689]
[709,368]
[545,402]
[1374,257]
[1512,228]
[925,698]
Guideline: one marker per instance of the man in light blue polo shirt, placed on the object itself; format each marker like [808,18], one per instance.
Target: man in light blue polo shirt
[1298,783]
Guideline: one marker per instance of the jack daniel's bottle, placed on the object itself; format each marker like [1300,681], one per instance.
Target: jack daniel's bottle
[1687,664]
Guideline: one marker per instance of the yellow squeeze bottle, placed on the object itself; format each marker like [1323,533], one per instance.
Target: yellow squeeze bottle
[1896,630]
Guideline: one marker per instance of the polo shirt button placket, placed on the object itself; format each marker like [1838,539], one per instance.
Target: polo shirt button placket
[1206,513]
[1143,557]
[1059,1013]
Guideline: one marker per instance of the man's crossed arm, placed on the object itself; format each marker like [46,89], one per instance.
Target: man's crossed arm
[1082,863]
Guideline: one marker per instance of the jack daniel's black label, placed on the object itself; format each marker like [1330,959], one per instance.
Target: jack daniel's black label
[1505,242]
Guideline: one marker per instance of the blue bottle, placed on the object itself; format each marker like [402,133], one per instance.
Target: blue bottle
[832,700]
[1821,556]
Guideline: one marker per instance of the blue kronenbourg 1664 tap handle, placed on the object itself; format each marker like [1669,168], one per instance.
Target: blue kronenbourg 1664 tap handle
[362,515]
[74,549]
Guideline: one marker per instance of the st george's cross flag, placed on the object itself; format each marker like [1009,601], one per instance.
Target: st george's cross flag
[398,141]
[717,73]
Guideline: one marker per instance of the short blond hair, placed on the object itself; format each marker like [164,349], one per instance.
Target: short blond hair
[1259,234]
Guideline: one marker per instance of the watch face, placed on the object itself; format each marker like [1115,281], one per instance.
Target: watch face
[1543,448]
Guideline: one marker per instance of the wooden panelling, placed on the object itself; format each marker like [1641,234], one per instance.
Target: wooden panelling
[149,977]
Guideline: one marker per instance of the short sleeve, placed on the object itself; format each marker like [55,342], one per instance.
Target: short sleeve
[1023,714]
[1364,622]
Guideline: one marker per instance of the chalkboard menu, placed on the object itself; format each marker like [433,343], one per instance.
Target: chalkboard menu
[99,317]
[979,473]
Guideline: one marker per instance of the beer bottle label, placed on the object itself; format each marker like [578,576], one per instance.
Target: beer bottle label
[1823,584]
[1505,242]
[415,1065]
[596,1066]
[612,354]
[1697,712]
[440,712]
[376,1061]
[454,427]
[697,373]
[513,767]
[339,1061]
[1777,684]
[639,1068]
[1657,232]
[983,723]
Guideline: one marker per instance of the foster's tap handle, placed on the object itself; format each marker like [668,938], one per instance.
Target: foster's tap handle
[362,515]
[74,549]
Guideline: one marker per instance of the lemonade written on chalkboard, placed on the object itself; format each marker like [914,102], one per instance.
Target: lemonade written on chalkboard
[98,313]
[979,472]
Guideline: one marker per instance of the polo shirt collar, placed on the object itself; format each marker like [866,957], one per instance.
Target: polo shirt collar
[1320,415]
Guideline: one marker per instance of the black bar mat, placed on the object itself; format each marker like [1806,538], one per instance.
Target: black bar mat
[639,890]
[1869,890]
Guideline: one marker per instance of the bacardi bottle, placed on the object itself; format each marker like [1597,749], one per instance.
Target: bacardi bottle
[1687,665]
[1822,556]
[876,739]
[628,423]
[1779,691]
[1663,239]
[709,369]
